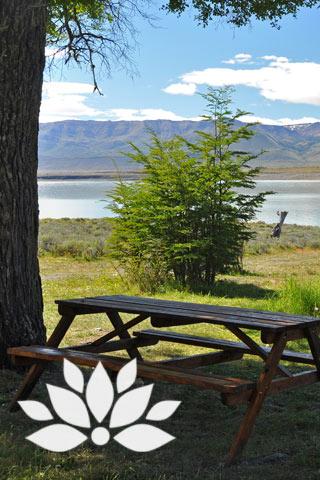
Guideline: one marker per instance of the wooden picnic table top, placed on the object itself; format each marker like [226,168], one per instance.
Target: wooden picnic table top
[196,312]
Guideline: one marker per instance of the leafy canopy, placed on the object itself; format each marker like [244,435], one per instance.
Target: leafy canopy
[240,12]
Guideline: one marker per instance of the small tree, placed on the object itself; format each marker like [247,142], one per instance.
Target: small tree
[190,209]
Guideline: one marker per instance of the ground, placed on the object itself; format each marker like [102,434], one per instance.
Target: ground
[285,443]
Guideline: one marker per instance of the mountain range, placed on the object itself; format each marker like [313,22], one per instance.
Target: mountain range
[98,146]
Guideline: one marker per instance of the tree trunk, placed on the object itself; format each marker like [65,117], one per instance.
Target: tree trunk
[22,58]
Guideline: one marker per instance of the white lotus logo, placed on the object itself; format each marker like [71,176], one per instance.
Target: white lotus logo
[99,395]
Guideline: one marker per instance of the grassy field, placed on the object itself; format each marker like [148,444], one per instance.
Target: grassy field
[286,442]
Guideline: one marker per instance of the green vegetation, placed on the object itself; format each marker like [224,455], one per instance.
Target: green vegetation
[240,13]
[186,218]
[77,238]
[299,296]
[292,237]
[286,439]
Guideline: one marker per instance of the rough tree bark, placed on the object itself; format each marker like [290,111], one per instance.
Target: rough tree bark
[22,58]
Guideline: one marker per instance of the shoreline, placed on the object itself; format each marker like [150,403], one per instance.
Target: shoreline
[285,173]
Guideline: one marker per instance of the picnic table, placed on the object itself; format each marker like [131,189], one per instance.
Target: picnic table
[276,329]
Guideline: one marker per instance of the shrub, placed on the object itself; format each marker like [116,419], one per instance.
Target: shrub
[189,202]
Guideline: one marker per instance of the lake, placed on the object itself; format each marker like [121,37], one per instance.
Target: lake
[86,198]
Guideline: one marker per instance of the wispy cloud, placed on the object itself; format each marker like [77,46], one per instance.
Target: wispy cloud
[275,58]
[69,101]
[145,114]
[280,79]
[239,58]
[66,101]
[181,89]
[279,121]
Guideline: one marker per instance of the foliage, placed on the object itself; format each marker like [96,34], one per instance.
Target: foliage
[79,237]
[299,296]
[93,31]
[240,13]
[188,208]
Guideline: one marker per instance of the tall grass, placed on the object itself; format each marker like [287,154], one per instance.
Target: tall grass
[298,296]
[74,237]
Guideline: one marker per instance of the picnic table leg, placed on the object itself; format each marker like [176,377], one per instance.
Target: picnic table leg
[118,324]
[314,344]
[35,372]
[256,348]
[263,384]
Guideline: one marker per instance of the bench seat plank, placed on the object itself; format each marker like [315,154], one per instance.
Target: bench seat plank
[149,370]
[219,344]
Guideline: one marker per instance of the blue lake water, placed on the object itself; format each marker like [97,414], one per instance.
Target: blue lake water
[87,199]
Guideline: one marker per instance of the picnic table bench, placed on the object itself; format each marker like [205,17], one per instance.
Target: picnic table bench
[275,329]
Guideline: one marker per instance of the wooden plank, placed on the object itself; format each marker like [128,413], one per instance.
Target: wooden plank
[123,334]
[171,319]
[115,346]
[193,361]
[218,343]
[226,310]
[223,310]
[254,347]
[35,372]
[183,338]
[202,359]
[145,369]
[257,399]
[110,346]
[197,311]
[176,315]
[278,385]
[199,307]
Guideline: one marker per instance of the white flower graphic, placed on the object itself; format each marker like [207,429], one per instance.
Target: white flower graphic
[99,396]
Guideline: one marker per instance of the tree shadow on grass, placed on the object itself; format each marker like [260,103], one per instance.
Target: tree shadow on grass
[230,289]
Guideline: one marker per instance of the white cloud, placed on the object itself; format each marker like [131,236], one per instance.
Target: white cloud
[66,88]
[181,89]
[279,121]
[144,114]
[275,58]
[281,79]
[53,52]
[66,101]
[69,101]
[239,58]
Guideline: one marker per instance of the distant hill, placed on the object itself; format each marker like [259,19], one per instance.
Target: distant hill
[93,146]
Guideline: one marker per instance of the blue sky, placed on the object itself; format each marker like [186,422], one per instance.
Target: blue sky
[276,73]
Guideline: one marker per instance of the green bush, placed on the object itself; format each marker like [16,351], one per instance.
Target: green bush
[189,201]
